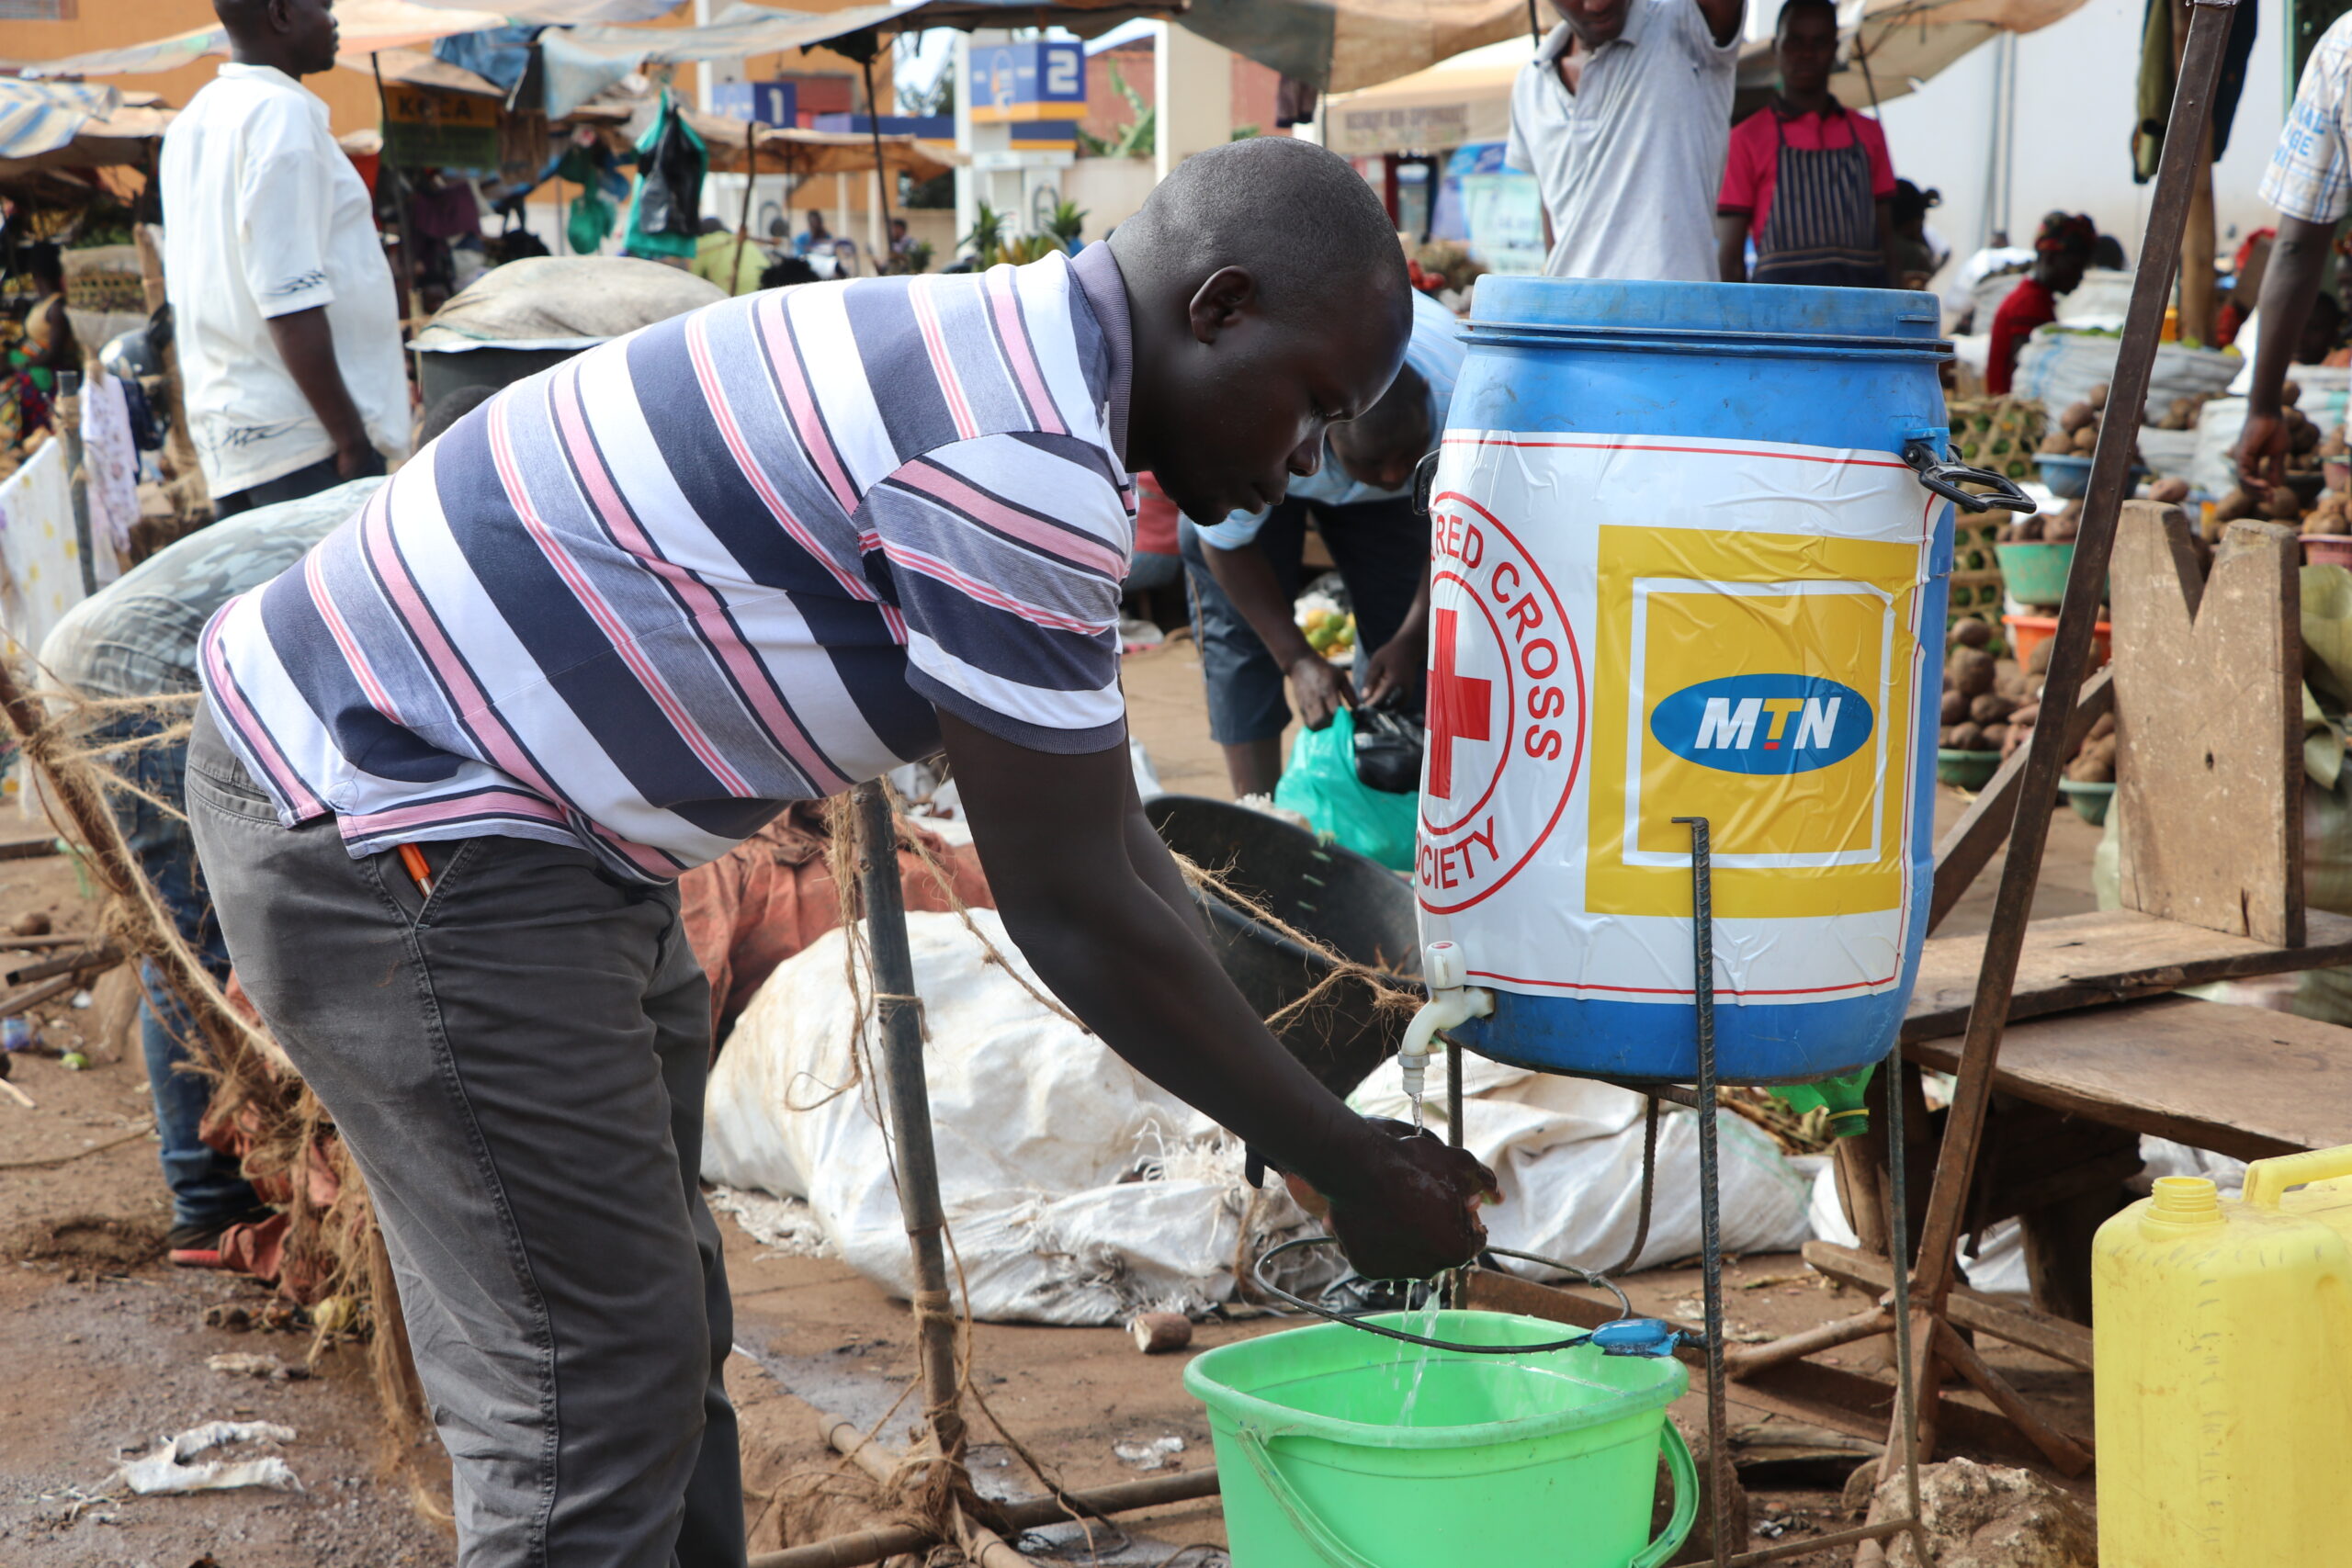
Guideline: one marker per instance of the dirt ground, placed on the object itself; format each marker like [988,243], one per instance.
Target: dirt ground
[103,1347]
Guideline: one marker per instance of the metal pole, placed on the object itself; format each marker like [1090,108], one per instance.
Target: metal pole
[66,413]
[1711,1241]
[900,1011]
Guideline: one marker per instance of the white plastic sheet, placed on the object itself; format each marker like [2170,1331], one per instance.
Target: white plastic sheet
[1569,1154]
[1078,1192]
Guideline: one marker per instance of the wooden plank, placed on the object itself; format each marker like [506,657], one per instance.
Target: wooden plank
[2238,1080]
[2109,955]
[1834,1397]
[2208,722]
[1964,852]
[2012,1321]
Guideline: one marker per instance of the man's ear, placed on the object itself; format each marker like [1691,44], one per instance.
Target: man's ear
[1221,302]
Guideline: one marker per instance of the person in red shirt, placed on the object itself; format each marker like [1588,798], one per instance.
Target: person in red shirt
[1812,182]
[2061,251]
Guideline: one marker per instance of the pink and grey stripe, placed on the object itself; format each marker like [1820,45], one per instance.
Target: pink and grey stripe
[638,602]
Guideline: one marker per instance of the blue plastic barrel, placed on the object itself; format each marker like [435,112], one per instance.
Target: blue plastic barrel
[1682,567]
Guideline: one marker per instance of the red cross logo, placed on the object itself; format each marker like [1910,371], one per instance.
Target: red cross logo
[1460,706]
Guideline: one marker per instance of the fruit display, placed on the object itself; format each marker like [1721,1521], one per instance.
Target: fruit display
[2000,433]
[1328,631]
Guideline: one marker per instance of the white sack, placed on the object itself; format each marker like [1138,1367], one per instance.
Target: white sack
[2061,367]
[1041,1133]
[566,302]
[1569,1154]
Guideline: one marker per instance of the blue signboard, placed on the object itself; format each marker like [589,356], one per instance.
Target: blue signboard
[1038,80]
[770,102]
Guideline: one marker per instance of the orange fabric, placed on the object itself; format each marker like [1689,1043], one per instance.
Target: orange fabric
[773,894]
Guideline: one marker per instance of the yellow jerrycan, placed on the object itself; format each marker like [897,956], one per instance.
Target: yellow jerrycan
[2223,1370]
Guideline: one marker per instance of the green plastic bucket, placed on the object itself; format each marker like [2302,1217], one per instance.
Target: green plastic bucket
[1545,1461]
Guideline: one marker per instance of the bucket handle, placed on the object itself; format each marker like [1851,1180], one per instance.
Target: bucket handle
[1945,478]
[1340,1554]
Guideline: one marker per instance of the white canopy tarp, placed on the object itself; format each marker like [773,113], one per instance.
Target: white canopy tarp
[365,26]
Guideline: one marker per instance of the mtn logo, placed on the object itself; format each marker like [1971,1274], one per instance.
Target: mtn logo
[1763,724]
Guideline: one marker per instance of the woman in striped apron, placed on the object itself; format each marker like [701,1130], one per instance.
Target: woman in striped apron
[1812,182]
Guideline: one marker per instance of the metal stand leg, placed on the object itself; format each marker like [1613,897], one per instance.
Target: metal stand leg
[1710,1250]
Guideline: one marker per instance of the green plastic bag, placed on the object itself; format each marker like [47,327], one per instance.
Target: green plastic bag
[665,218]
[1320,785]
[1840,1096]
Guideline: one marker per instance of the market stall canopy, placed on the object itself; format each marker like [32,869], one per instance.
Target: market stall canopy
[40,117]
[581,62]
[1338,46]
[365,26]
[415,68]
[1898,44]
[1452,104]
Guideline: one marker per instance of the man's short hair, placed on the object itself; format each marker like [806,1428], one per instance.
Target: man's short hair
[450,407]
[1299,218]
[1791,7]
[1400,418]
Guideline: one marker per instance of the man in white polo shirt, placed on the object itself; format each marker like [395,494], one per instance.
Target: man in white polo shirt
[287,322]
[1622,117]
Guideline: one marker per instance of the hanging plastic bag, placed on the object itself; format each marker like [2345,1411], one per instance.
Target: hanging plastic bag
[1320,785]
[591,220]
[666,218]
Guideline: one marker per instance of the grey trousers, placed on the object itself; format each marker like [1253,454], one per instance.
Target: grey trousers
[516,1065]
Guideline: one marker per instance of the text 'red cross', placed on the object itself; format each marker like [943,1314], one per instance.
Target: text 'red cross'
[1460,706]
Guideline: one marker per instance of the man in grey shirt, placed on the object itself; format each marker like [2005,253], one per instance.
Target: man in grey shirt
[1622,117]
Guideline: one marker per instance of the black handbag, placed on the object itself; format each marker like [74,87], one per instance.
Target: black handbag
[1388,749]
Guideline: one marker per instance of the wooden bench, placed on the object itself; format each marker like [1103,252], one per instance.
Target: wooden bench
[2241,1082]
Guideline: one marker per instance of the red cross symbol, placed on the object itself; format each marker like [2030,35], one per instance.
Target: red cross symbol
[1460,706]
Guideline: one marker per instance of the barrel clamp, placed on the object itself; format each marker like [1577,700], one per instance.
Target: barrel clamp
[1945,476]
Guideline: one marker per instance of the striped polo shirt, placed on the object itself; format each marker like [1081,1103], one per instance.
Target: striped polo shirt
[639,599]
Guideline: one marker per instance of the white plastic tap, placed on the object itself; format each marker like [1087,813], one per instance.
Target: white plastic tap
[1450,1002]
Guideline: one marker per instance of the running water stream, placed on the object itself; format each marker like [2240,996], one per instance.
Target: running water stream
[1423,1322]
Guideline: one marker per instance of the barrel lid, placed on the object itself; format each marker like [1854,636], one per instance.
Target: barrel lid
[1620,307]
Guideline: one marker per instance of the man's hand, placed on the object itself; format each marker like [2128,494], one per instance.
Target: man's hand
[305,341]
[2298,260]
[1320,688]
[1416,1211]
[1395,671]
[2262,452]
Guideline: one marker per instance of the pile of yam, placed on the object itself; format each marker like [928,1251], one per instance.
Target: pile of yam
[1979,696]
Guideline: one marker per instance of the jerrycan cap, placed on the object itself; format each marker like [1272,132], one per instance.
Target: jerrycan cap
[2182,1202]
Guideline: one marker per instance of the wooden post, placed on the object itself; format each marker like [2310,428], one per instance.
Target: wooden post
[900,1011]
[2208,722]
[2197,314]
[2208,32]
[751,177]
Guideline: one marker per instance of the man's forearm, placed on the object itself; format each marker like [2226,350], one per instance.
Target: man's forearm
[1731,246]
[306,342]
[2298,259]
[1247,579]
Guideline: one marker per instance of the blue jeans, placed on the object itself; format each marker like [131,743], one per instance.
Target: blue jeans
[208,1186]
